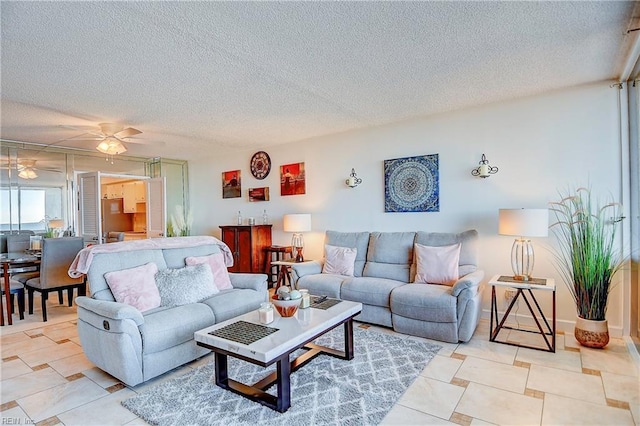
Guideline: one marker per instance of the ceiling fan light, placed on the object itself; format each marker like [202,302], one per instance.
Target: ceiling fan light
[111,146]
[103,147]
[27,173]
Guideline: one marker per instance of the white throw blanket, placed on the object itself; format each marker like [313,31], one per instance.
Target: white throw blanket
[84,258]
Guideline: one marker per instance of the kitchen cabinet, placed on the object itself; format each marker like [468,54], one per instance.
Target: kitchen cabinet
[115,190]
[247,243]
[129,196]
[140,192]
[134,195]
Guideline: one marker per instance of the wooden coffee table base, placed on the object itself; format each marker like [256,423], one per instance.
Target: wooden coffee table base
[284,368]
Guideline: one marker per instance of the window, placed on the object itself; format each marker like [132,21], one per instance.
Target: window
[27,208]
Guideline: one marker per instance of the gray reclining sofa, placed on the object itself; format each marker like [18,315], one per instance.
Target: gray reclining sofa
[135,347]
[383,282]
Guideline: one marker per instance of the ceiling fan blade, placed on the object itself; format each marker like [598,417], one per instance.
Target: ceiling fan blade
[84,137]
[86,131]
[82,140]
[140,141]
[129,131]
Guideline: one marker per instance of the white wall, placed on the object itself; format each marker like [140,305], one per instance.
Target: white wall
[540,144]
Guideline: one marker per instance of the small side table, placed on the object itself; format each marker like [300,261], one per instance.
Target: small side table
[284,273]
[280,253]
[524,289]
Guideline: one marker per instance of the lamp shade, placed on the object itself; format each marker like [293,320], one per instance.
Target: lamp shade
[524,222]
[56,223]
[297,222]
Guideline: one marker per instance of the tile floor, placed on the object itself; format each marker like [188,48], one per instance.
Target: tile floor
[45,379]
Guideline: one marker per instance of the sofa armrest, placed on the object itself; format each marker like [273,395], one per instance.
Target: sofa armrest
[111,310]
[257,282]
[470,281]
[299,270]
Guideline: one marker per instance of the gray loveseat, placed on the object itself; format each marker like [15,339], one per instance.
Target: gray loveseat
[383,282]
[133,346]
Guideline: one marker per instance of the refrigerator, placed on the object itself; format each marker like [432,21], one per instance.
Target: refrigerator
[113,216]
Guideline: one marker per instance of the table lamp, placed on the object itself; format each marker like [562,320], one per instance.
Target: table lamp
[523,223]
[297,223]
[56,226]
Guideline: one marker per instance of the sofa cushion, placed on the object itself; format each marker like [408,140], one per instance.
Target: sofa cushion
[107,262]
[425,302]
[231,303]
[390,255]
[164,328]
[437,265]
[468,250]
[339,260]
[175,257]
[357,240]
[322,284]
[186,285]
[135,286]
[368,290]
[218,269]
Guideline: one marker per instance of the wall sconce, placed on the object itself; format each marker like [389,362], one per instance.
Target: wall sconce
[353,180]
[484,169]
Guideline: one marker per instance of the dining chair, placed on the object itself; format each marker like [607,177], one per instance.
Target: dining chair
[17,243]
[57,256]
[16,289]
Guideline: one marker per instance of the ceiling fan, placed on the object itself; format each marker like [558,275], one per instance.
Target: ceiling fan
[27,168]
[111,138]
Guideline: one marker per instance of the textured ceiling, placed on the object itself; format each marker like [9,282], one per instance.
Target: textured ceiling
[198,77]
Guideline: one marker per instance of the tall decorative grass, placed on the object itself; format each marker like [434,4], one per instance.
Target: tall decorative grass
[587,257]
[179,224]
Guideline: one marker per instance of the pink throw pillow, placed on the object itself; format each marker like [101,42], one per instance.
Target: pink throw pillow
[135,286]
[218,269]
[437,265]
[339,260]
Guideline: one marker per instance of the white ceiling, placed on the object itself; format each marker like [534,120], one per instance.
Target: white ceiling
[199,77]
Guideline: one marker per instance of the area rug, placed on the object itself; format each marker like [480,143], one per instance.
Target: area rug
[327,391]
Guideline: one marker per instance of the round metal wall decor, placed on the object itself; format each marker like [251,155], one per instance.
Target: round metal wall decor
[411,184]
[260,165]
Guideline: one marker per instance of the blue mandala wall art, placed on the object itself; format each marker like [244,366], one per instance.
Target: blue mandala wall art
[412,184]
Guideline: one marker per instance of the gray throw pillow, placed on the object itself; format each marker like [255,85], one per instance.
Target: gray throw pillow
[181,286]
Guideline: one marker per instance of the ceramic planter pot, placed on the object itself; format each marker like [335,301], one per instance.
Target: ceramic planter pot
[592,334]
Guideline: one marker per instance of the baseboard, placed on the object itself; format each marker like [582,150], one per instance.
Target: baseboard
[564,326]
[633,349]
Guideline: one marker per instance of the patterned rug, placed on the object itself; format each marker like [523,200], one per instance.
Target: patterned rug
[327,391]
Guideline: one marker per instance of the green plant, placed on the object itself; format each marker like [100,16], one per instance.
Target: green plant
[587,257]
[179,224]
[49,232]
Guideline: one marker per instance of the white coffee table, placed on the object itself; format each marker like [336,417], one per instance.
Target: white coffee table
[292,334]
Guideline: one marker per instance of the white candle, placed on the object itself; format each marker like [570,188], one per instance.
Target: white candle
[265,313]
[484,170]
[306,299]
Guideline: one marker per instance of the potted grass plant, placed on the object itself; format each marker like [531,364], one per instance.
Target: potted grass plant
[587,259]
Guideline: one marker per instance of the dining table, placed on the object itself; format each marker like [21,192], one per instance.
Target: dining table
[14,260]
